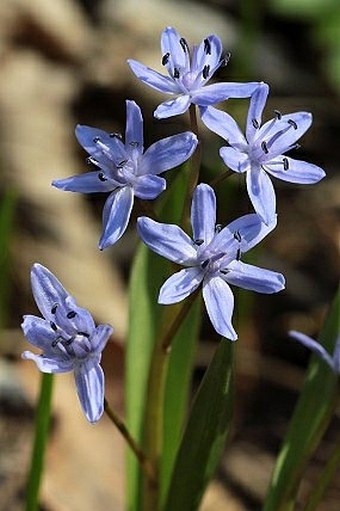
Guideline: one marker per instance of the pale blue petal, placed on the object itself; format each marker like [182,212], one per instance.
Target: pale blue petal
[47,290]
[167,153]
[81,320]
[39,333]
[88,182]
[180,285]
[250,230]
[300,172]
[89,378]
[116,216]
[49,365]
[262,195]
[208,53]
[203,213]
[114,149]
[256,106]
[314,346]
[234,159]
[170,44]
[167,240]
[148,187]
[173,107]
[254,278]
[100,337]
[134,137]
[212,94]
[223,124]
[219,302]
[153,78]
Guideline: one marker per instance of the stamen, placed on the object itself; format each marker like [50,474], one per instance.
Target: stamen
[206,71]
[176,73]
[90,160]
[121,164]
[264,147]
[285,164]
[58,339]
[238,254]
[295,146]
[205,264]
[237,236]
[292,123]
[278,115]
[207,46]
[69,341]
[184,45]
[84,334]
[134,144]
[224,272]
[255,123]
[102,177]
[218,228]
[199,242]
[224,61]
[53,326]
[116,135]
[165,58]
[54,308]
[71,314]
[96,139]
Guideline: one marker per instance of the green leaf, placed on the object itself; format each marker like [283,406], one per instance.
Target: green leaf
[205,434]
[309,422]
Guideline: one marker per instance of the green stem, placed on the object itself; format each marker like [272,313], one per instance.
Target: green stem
[154,426]
[326,477]
[42,423]
[120,425]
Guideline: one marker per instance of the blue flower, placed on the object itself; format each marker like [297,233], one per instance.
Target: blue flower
[189,71]
[261,151]
[69,339]
[211,258]
[333,361]
[125,169]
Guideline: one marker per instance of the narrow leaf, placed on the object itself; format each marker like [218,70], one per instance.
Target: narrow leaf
[205,434]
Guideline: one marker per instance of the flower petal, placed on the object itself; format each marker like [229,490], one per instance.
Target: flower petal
[134,137]
[167,240]
[234,159]
[250,230]
[49,364]
[254,278]
[89,182]
[314,346]
[209,54]
[39,333]
[300,172]
[170,44]
[148,187]
[167,153]
[153,78]
[100,337]
[89,378]
[87,136]
[223,124]
[173,107]
[116,216]
[261,193]
[212,94]
[256,106]
[219,301]
[203,213]
[180,285]
[47,290]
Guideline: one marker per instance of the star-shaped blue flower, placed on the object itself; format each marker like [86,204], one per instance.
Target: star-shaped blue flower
[125,169]
[261,151]
[211,258]
[189,71]
[332,360]
[69,339]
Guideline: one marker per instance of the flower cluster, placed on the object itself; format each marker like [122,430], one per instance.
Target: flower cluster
[211,257]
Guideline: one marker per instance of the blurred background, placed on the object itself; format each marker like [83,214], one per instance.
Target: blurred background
[63,62]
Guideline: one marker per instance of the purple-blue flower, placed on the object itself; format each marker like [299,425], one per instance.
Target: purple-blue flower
[333,361]
[261,151]
[211,258]
[69,339]
[125,169]
[189,71]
